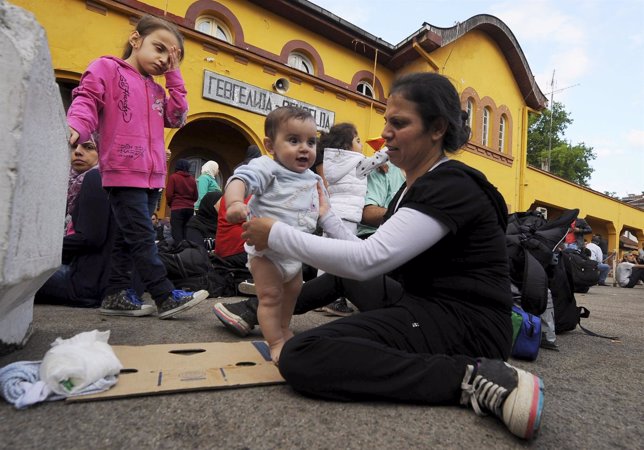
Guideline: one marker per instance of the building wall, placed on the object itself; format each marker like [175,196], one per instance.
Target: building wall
[474,62]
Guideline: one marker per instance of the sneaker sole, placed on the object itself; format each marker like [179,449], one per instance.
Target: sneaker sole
[145,310]
[231,321]
[197,297]
[333,312]
[524,413]
[247,288]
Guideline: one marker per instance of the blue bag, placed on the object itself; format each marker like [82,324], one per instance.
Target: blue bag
[528,335]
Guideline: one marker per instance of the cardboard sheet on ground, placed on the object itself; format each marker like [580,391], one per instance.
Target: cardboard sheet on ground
[167,368]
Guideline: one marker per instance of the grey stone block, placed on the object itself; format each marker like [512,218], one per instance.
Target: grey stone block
[34,165]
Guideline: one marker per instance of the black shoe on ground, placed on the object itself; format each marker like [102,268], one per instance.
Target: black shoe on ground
[179,301]
[240,317]
[513,395]
[602,284]
[545,343]
[338,308]
[125,303]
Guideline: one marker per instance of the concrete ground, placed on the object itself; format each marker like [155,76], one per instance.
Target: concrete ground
[594,390]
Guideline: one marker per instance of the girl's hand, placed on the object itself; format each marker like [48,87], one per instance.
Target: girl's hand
[73,138]
[256,232]
[236,212]
[324,201]
[174,57]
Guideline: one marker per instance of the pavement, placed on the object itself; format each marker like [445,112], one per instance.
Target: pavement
[594,389]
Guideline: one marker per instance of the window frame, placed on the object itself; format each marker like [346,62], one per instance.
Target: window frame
[485,129]
[366,84]
[502,131]
[301,59]
[219,26]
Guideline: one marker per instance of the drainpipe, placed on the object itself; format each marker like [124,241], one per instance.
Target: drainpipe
[421,51]
[523,158]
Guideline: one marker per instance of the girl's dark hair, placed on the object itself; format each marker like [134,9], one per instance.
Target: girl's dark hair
[282,114]
[340,135]
[435,98]
[148,25]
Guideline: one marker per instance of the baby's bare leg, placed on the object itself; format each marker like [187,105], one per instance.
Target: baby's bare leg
[269,287]
[292,290]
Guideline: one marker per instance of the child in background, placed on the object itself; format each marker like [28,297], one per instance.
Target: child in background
[119,99]
[345,170]
[285,189]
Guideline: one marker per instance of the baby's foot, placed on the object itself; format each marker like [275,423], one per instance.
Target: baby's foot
[276,349]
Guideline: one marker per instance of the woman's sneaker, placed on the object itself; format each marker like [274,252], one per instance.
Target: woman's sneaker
[125,303]
[179,301]
[513,395]
[339,308]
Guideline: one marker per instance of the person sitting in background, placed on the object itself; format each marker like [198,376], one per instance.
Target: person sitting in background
[83,276]
[628,272]
[202,227]
[575,237]
[158,226]
[382,185]
[181,193]
[207,181]
[597,255]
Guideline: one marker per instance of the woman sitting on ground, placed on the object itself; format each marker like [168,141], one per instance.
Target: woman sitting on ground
[440,328]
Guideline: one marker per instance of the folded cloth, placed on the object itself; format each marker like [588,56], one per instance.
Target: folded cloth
[73,364]
[20,385]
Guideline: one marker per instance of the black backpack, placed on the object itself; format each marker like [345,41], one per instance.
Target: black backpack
[188,266]
[532,244]
[584,271]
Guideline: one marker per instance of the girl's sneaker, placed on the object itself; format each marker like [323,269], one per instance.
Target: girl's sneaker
[125,303]
[179,301]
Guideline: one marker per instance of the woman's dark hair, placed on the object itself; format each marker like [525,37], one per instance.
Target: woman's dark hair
[340,135]
[435,98]
[182,164]
[148,25]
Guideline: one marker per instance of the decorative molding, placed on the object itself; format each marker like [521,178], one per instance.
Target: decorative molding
[488,153]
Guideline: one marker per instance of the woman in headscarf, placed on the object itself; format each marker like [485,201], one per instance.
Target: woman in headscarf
[207,181]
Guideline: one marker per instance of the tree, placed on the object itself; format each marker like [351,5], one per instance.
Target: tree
[546,141]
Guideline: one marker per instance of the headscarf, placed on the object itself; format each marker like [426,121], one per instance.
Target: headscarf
[74,185]
[206,218]
[210,168]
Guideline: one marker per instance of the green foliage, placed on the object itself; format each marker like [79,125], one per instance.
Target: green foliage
[566,161]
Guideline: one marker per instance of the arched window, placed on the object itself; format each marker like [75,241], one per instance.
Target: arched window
[502,123]
[365,89]
[300,62]
[470,116]
[485,130]
[214,27]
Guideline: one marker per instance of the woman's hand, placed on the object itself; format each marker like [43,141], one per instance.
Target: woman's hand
[256,232]
[236,212]
[324,201]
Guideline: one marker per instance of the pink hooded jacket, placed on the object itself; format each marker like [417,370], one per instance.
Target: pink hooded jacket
[129,112]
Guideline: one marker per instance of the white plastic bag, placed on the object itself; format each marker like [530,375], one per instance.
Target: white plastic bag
[74,363]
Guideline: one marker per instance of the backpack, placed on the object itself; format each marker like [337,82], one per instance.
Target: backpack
[531,243]
[567,314]
[188,266]
[584,271]
[228,277]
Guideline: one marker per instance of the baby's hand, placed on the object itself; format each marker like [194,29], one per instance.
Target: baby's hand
[236,212]
[174,57]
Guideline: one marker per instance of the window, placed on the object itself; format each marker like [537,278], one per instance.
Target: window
[502,134]
[470,115]
[300,62]
[365,89]
[486,126]
[214,27]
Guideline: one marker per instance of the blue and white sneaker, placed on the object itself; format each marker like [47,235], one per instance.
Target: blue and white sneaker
[179,301]
[125,303]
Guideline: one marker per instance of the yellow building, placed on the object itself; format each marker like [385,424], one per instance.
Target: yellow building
[244,57]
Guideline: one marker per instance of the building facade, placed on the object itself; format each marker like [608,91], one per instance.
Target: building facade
[246,57]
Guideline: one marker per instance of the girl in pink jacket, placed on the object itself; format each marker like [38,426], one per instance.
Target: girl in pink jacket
[119,99]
